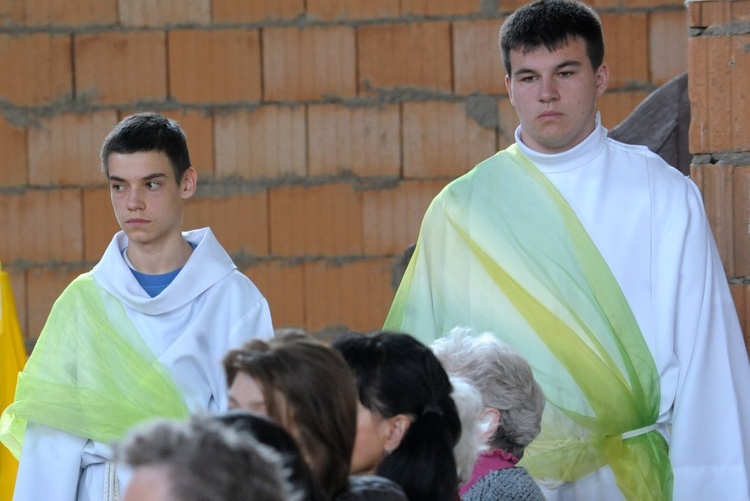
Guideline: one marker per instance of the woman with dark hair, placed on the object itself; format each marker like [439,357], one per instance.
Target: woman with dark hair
[407,423]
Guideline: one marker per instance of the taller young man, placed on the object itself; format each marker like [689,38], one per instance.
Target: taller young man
[595,260]
[141,335]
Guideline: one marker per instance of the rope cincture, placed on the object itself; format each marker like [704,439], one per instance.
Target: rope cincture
[640,431]
[553,484]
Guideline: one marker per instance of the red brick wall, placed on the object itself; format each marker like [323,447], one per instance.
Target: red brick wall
[321,129]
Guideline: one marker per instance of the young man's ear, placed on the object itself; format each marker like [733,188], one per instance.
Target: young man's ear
[397,427]
[509,88]
[602,79]
[189,183]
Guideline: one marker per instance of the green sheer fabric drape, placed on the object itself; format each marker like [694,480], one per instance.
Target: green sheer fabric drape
[90,374]
[500,250]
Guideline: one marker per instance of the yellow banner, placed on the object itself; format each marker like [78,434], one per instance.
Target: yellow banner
[12,360]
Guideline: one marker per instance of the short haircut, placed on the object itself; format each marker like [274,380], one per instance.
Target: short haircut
[504,379]
[309,389]
[207,460]
[551,24]
[144,132]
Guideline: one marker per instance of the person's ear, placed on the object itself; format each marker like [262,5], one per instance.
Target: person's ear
[509,88]
[397,427]
[489,419]
[189,183]
[602,79]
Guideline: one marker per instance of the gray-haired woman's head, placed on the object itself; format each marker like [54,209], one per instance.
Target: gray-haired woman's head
[503,378]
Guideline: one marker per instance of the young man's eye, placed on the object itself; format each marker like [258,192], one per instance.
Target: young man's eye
[116,187]
[152,184]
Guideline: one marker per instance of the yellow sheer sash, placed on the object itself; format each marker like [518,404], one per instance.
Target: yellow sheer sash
[90,373]
[500,250]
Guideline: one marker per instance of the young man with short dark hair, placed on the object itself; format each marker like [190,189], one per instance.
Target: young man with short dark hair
[595,261]
[141,335]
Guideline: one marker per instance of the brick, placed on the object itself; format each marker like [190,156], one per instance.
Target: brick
[740,10]
[64,149]
[58,12]
[740,106]
[404,55]
[283,285]
[440,7]
[99,222]
[13,145]
[627,53]
[320,220]
[361,141]
[741,297]
[352,9]
[713,14]
[739,218]
[357,295]
[46,225]
[308,63]
[596,4]
[638,4]
[214,66]
[240,222]
[719,72]
[12,12]
[699,99]
[232,11]
[668,37]
[121,67]
[267,143]
[477,63]
[392,217]
[17,278]
[45,285]
[199,129]
[716,186]
[511,5]
[695,14]
[616,106]
[441,140]
[158,12]
[45,77]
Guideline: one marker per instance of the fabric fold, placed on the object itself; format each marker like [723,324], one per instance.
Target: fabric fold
[91,374]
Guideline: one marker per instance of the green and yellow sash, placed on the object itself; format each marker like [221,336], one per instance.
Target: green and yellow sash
[500,250]
[90,373]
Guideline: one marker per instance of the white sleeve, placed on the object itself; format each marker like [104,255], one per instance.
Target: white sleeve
[50,465]
[710,436]
[255,324]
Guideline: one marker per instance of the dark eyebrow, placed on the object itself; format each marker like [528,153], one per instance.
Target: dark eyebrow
[570,62]
[564,64]
[150,177]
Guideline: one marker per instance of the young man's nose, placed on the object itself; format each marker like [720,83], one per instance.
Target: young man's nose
[135,199]
[548,90]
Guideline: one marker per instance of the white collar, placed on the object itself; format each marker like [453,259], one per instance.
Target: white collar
[578,156]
